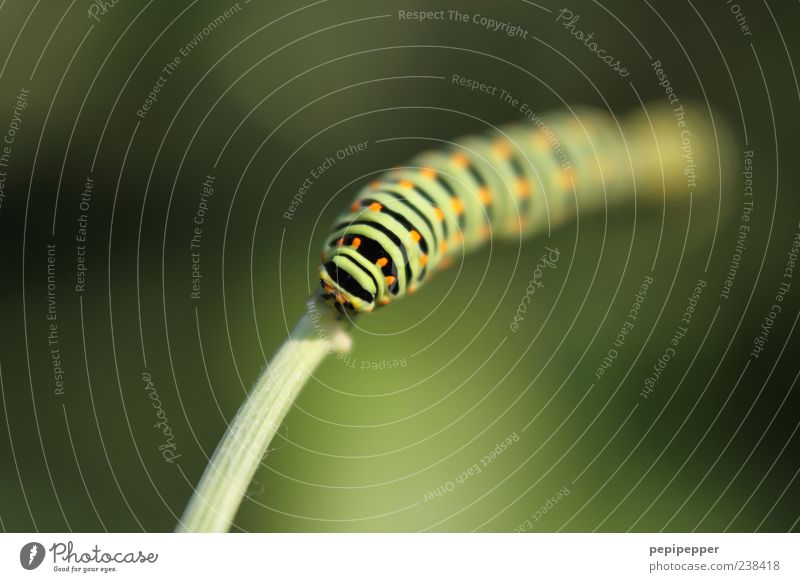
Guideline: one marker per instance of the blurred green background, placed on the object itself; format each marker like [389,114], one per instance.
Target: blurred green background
[258,100]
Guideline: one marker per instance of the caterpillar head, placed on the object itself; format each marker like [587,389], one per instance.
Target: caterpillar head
[346,287]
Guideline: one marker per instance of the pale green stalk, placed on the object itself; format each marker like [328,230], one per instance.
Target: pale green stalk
[236,459]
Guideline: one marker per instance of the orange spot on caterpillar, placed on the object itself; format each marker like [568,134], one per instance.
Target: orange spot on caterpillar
[355,206]
[423,260]
[412,289]
[341,299]
[443,246]
[375,184]
[340,242]
[328,289]
[501,148]
[356,243]
[406,184]
[485,196]
[375,206]
[445,263]
[391,279]
[428,173]
[384,301]
[515,225]
[540,141]
[460,160]
[439,213]
[458,237]
[523,188]
[567,178]
[415,236]
[382,262]
[458,206]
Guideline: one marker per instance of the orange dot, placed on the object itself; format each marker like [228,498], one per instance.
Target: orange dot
[356,243]
[391,279]
[501,148]
[412,289]
[458,206]
[458,237]
[439,213]
[460,160]
[384,301]
[428,173]
[340,242]
[376,206]
[415,236]
[423,260]
[406,184]
[382,262]
[567,178]
[375,184]
[485,195]
[540,140]
[523,188]
[328,289]
[443,247]
[341,299]
[515,224]
[354,206]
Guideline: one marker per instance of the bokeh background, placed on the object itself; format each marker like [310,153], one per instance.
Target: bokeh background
[437,381]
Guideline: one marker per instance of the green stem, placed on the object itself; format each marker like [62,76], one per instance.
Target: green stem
[229,472]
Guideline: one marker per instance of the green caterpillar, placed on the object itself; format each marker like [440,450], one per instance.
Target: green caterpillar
[511,182]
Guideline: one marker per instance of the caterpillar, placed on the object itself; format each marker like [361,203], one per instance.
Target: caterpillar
[512,182]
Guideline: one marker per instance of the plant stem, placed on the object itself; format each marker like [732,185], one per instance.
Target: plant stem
[237,457]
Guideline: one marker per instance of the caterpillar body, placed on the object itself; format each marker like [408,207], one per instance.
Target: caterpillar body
[512,182]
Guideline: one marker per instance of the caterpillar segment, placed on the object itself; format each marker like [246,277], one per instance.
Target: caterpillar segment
[513,182]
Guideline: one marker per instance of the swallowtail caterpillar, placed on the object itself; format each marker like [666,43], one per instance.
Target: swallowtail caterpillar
[511,182]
